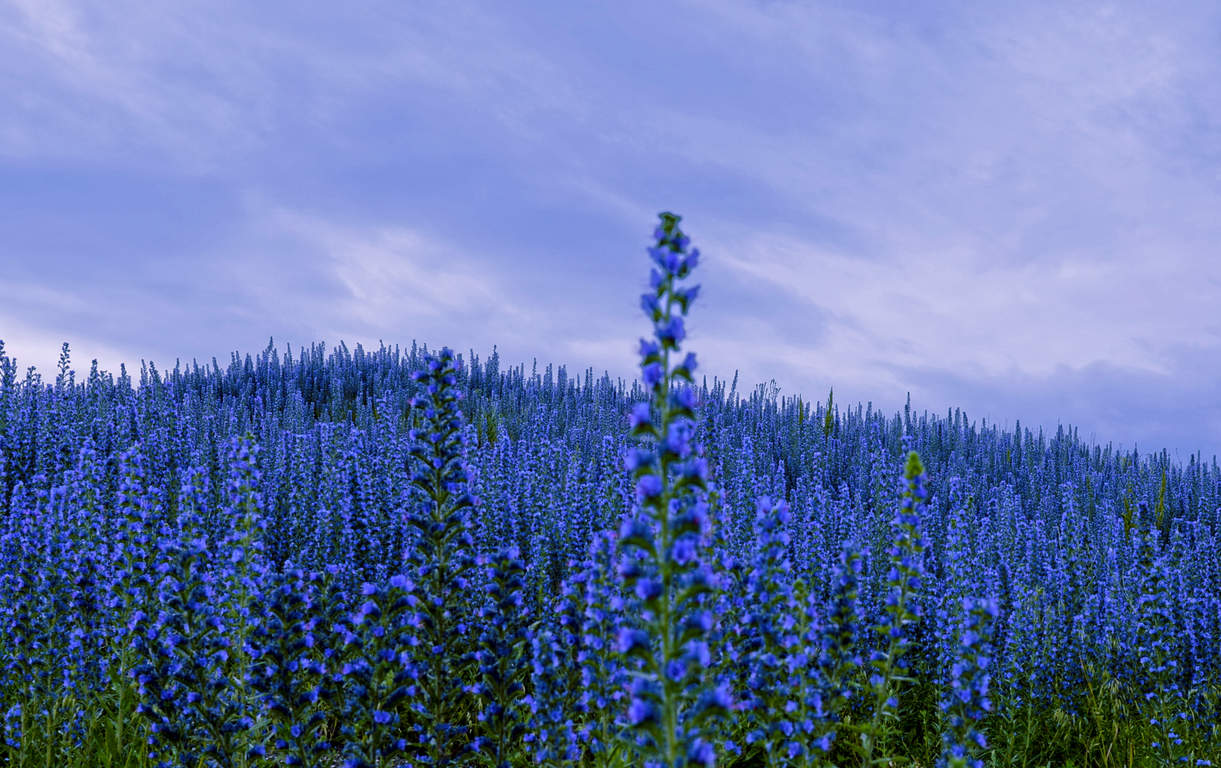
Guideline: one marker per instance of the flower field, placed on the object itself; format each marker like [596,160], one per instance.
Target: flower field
[395,558]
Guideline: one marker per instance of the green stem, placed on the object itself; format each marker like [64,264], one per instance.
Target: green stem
[670,719]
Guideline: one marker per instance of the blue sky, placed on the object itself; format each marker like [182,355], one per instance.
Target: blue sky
[1010,208]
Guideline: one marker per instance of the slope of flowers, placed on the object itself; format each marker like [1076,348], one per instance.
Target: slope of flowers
[412,558]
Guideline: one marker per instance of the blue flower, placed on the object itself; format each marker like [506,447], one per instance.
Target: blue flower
[632,640]
[641,712]
[641,416]
[670,332]
[651,375]
[648,488]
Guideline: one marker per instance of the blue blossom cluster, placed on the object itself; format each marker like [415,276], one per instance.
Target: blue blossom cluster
[967,698]
[501,658]
[415,557]
[441,559]
[661,536]
[291,674]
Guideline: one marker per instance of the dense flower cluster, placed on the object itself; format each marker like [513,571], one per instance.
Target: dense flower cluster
[967,698]
[320,559]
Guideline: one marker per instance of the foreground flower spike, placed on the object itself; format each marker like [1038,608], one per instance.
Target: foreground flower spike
[442,561]
[501,654]
[375,679]
[661,539]
[764,637]
[968,700]
[904,580]
[290,679]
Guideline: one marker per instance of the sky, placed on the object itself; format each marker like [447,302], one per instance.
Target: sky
[1013,209]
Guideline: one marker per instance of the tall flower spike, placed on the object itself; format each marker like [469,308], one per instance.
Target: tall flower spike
[441,560]
[661,541]
[904,580]
[967,700]
[501,657]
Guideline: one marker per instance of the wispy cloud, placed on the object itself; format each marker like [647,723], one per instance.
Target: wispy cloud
[960,310]
[124,82]
[382,278]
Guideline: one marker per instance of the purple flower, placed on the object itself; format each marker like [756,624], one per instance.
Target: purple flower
[630,570]
[640,712]
[634,528]
[641,416]
[696,468]
[647,488]
[635,458]
[701,620]
[651,374]
[678,439]
[632,639]
[686,397]
[683,551]
[715,699]
[693,259]
[648,589]
[399,581]
[676,669]
[699,651]
[671,332]
[650,305]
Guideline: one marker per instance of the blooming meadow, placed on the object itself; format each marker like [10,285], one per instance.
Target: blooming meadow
[414,558]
